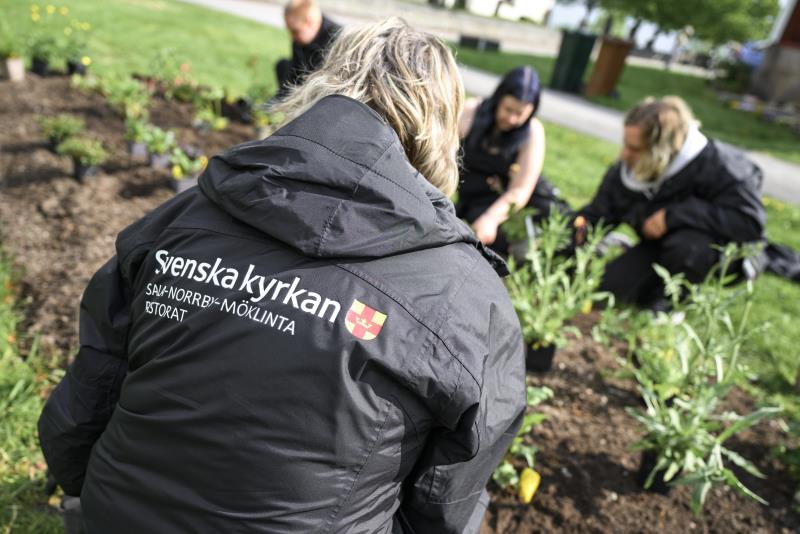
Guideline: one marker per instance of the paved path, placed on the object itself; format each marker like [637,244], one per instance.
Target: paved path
[782,179]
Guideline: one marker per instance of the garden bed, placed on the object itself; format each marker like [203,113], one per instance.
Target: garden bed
[59,232]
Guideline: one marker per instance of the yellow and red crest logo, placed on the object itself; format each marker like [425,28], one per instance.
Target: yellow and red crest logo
[364,322]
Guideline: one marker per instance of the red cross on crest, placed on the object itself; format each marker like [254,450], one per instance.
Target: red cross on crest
[364,322]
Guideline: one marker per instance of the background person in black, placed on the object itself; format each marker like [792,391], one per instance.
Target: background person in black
[312,34]
[681,193]
[503,149]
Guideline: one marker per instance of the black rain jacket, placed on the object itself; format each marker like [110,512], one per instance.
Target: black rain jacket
[717,193]
[309,341]
[308,58]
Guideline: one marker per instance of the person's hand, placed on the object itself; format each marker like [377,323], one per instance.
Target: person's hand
[580,230]
[656,225]
[485,229]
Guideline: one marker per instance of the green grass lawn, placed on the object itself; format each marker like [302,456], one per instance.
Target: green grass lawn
[126,35]
[730,125]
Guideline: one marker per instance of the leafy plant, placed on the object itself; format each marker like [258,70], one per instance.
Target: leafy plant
[208,103]
[159,141]
[43,47]
[175,75]
[687,363]
[61,127]
[515,227]
[76,39]
[506,475]
[126,95]
[551,287]
[86,151]
[136,130]
[184,166]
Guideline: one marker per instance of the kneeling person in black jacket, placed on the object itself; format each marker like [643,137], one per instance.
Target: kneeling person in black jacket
[681,192]
[309,341]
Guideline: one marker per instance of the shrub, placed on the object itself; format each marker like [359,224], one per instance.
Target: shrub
[159,141]
[183,166]
[87,152]
[136,130]
[61,127]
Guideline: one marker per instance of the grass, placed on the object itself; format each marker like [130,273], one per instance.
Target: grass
[720,121]
[23,385]
[126,35]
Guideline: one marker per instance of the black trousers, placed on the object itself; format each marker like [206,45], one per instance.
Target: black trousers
[631,278]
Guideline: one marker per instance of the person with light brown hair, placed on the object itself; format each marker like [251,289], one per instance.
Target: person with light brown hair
[310,340]
[312,34]
[681,192]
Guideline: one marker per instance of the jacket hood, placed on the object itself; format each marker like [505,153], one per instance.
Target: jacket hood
[336,183]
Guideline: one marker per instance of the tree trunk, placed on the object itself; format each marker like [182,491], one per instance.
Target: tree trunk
[634,29]
[608,25]
[652,41]
[590,5]
[497,7]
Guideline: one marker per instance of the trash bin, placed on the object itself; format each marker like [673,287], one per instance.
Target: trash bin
[573,56]
[609,66]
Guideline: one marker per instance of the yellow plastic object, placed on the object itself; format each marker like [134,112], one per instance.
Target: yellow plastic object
[529,482]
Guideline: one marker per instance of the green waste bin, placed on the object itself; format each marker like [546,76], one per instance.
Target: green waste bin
[573,56]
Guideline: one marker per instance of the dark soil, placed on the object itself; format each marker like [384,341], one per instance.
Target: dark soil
[59,232]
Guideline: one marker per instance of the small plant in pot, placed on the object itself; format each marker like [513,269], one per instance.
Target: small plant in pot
[186,169]
[76,49]
[209,110]
[87,155]
[126,96]
[551,287]
[11,52]
[159,144]
[43,50]
[136,135]
[59,128]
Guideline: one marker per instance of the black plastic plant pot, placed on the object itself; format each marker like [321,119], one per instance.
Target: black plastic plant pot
[239,111]
[179,186]
[646,464]
[76,67]
[82,172]
[539,360]
[40,66]
[159,161]
[138,150]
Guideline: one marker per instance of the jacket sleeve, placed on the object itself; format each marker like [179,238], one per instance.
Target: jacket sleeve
[601,206]
[79,408]
[446,491]
[730,209]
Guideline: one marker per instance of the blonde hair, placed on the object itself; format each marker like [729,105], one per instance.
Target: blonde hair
[408,77]
[665,123]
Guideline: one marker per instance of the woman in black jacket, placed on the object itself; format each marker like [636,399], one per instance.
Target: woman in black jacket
[309,341]
[681,192]
[503,147]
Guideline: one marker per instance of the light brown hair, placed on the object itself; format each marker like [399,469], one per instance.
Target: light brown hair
[409,78]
